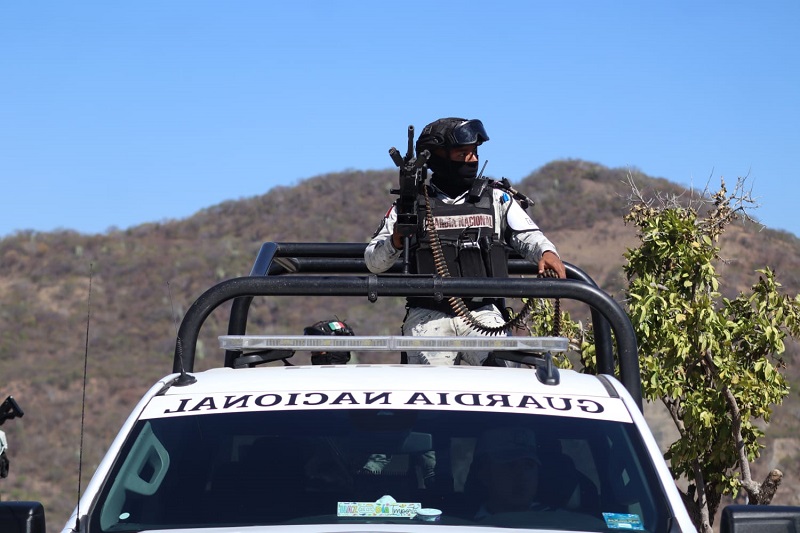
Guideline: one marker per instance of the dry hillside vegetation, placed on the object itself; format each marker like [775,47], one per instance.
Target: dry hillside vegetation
[144,278]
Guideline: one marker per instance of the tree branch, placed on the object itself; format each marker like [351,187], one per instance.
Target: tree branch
[702,504]
[757,494]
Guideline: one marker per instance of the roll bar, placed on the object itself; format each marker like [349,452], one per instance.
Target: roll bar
[338,269]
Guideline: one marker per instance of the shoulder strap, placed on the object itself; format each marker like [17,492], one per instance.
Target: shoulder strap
[505,185]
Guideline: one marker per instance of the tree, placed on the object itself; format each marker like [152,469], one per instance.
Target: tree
[715,363]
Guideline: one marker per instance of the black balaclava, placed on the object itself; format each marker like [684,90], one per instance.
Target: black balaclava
[452,177]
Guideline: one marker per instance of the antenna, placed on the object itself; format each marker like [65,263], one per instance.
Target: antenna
[480,174]
[184,379]
[83,399]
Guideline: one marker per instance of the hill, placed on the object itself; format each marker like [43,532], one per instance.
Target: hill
[144,278]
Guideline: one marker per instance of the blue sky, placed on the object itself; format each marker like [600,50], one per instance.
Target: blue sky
[114,114]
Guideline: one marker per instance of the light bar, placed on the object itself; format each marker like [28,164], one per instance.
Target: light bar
[320,343]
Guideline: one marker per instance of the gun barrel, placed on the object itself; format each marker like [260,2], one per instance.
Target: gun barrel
[422,159]
[410,151]
[394,153]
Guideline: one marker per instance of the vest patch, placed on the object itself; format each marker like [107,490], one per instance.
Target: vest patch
[463,222]
[470,246]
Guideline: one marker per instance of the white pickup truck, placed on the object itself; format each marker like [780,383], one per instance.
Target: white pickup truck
[256,445]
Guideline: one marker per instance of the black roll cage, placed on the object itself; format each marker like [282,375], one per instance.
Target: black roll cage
[338,269]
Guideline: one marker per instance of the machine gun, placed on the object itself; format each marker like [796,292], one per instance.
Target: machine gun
[413,173]
[9,409]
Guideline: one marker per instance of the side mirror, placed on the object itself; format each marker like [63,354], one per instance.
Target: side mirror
[760,519]
[22,517]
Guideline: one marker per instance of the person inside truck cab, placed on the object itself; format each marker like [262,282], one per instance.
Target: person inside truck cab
[474,220]
[504,475]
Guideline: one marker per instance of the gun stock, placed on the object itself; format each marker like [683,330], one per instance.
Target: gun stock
[9,409]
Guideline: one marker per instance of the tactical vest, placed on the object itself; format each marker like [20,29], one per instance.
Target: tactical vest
[467,236]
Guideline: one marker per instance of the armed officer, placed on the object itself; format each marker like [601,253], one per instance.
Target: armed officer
[474,219]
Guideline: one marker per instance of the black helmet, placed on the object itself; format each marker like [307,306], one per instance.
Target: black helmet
[329,327]
[449,132]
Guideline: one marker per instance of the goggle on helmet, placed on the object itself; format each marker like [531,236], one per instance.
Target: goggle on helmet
[450,132]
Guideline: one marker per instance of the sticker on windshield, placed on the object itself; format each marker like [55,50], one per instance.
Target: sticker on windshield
[377,509]
[572,406]
[623,521]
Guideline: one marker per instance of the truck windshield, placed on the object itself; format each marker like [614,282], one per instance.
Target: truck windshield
[371,465]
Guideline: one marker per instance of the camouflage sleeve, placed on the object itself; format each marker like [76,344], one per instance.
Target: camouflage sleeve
[380,255]
[532,245]
[4,462]
[521,232]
